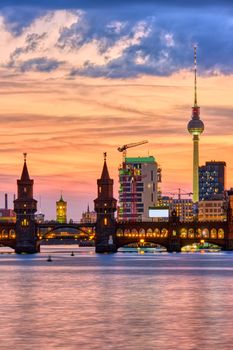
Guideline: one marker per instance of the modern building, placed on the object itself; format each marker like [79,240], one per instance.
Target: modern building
[212,210]
[88,216]
[195,128]
[182,206]
[138,177]
[212,180]
[61,206]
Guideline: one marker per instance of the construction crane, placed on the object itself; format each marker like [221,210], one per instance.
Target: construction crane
[179,194]
[130,145]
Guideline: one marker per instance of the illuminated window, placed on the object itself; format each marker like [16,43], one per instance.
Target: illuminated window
[105,221]
[25,189]
[24,223]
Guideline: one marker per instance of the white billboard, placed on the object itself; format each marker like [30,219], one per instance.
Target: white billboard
[158,212]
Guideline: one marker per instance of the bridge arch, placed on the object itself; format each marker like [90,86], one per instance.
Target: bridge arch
[191,233]
[149,232]
[4,234]
[142,232]
[12,234]
[134,232]
[55,230]
[213,233]
[205,233]
[183,232]
[119,232]
[220,233]
[164,233]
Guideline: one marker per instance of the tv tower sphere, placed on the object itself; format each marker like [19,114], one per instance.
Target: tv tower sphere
[196,125]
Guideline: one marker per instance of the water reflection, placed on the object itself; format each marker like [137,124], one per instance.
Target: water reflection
[121,301]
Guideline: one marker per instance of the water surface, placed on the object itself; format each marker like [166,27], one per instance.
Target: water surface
[125,301]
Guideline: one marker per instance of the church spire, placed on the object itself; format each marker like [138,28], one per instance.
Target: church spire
[25,174]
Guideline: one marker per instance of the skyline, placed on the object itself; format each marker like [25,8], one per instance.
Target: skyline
[65,110]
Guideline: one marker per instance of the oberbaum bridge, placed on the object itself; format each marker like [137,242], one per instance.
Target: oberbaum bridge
[26,235]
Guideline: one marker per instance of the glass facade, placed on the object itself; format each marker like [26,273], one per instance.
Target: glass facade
[211,180]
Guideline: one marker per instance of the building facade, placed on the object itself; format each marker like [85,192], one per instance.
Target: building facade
[61,207]
[7,215]
[138,177]
[212,210]
[182,206]
[212,180]
[88,217]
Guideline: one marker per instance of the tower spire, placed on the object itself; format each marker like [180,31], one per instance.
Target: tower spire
[105,174]
[25,174]
[195,75]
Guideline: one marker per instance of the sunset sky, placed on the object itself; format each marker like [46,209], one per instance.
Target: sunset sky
[79,78]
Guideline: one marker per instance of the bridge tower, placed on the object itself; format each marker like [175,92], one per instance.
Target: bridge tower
[25,207]
[105,207]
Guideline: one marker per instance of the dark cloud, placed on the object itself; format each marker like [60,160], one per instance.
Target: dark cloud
[40,64]
[17,18]
[31,44]
[165,46]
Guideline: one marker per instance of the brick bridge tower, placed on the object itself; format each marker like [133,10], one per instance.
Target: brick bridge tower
[105,207]
[25,207]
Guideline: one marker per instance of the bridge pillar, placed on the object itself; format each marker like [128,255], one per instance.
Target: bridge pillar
[174,244]
[105,207]
[25,207]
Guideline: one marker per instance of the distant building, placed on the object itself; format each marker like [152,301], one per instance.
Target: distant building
[39,218]
[7,215]
[182,206]
[61,211]
[138,191]
[212,210]
[88,217]
[212,180]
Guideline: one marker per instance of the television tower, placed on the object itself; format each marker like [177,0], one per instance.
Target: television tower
[195,128]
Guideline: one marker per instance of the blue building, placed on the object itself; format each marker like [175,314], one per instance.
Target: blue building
[212,180]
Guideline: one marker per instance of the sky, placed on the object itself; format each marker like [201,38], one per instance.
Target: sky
[79,78]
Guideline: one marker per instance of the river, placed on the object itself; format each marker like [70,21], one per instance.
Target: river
[124,301]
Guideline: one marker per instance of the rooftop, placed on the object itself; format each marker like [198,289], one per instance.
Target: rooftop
[149,159]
